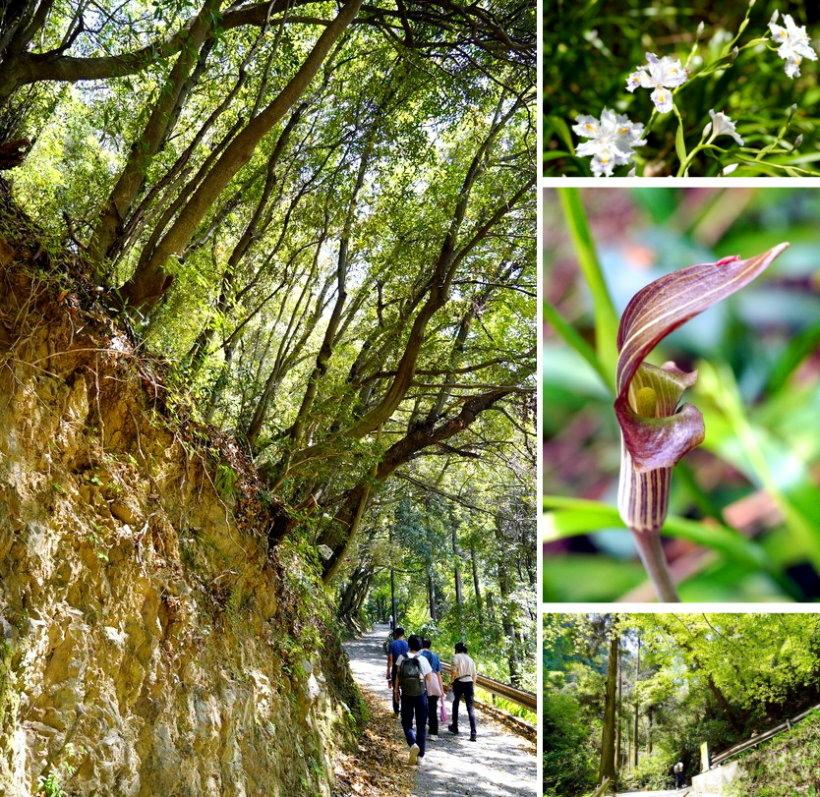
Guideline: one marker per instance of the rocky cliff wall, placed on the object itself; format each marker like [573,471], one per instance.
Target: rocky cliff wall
[150,642]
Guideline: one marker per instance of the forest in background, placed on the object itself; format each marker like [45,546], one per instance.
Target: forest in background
[322,217]
[454,566]
[628,695]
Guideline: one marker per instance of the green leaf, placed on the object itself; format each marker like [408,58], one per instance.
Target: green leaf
[606,319]
[571,337]
[720,384]
[561,129]
[594,516]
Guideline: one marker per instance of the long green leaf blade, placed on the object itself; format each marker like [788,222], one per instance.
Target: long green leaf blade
[606,319]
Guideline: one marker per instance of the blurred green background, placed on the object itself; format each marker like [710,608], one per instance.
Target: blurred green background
[591,47]
[745,506]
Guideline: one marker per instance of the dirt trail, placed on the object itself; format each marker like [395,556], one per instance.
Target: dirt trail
[499,764]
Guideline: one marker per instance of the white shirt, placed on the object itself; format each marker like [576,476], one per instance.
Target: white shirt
[462,667]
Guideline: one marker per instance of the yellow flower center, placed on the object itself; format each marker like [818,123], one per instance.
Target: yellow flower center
[646,402]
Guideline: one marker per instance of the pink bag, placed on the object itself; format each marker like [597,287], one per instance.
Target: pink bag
[442,711]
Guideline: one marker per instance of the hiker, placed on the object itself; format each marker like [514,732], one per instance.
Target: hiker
[435,688]
[463,674]
[678,770]
[414,673]
[395,649]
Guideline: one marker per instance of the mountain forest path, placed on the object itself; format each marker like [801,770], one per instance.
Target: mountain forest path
[499,764]
[671,793]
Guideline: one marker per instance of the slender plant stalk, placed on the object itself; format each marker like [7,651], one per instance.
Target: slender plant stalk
[654,560]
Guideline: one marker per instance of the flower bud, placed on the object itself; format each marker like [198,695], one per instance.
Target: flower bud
[730,168]
[798,141]
[751,3]
[701,28]
[735,52]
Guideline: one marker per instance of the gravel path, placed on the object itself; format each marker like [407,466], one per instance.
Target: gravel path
[499,764]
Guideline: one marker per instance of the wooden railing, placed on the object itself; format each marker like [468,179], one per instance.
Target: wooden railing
[602,789]
[761,737]
[518,696]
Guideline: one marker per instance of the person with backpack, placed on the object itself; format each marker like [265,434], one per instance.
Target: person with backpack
[435,688]
[463,674]
[414,673]
[395,649]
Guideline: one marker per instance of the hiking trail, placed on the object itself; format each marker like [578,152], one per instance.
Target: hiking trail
[499,764]
[668,793]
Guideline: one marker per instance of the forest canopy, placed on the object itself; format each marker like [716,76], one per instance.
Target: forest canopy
[321,215]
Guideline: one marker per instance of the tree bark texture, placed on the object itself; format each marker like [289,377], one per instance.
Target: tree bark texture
[607,768]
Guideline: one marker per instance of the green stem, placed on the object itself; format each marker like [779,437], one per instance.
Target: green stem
[654,560]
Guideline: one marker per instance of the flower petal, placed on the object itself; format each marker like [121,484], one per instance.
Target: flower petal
[662,99]
[654,312]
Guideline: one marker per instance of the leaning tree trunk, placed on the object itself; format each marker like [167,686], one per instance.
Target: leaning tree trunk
[152,280]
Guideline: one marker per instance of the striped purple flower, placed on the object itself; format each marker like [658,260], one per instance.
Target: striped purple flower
[655,431]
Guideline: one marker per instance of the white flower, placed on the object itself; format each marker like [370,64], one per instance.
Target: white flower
[730,168]
[794,43]
[721,125]
[659,74]
[612,138]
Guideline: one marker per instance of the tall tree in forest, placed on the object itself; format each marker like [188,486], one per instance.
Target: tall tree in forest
[607,767]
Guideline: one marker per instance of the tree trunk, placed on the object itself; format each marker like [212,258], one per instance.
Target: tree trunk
[491,609]
[456,569]
[152,279]
[637,706]
[161,121]
[607,768]
[431,594]
[477,586]
[509,610]
[618,713]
